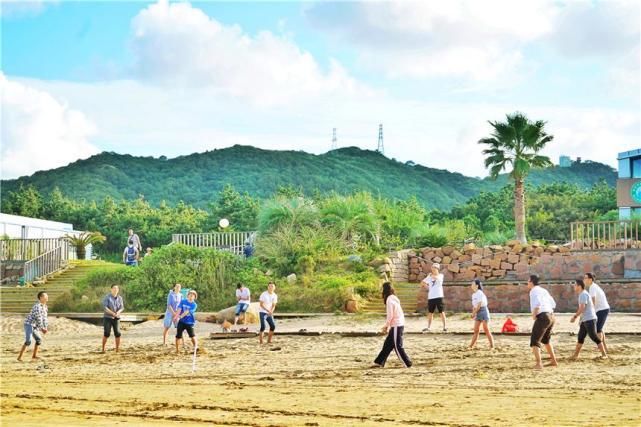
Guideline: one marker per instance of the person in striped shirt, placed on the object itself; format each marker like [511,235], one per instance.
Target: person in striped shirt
[35,323]
[394,326]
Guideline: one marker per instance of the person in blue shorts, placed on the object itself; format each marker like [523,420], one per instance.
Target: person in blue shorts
[243,296]
[480,314]
[35,323]
[187,319]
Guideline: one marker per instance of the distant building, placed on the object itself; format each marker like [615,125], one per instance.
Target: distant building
[565,161]
[629,184]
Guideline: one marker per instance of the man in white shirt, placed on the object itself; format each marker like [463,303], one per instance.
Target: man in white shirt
[268,301]
[243,300]
[600,305]
[434,284]
[542,307]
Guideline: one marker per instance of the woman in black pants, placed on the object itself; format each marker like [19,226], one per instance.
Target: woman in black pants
[393,328]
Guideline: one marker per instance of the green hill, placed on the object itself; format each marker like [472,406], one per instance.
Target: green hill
[197,178]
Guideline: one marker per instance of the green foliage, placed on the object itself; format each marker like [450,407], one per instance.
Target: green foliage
[84,239]
[240,209]
[199,179]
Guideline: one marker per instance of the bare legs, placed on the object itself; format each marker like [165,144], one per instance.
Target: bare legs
[164,336]
[486,330]
[104,343]
[430,317]
[577,350]
[537,356]
[33,356]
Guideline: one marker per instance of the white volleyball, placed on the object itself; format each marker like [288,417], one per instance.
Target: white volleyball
[224,223]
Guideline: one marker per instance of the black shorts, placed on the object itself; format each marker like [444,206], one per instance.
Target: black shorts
[434,303]
[109,323]
[184,327]
[542,329]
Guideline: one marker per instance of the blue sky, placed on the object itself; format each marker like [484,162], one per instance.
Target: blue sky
[171,78]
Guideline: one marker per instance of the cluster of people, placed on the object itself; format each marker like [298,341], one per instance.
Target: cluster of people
[131,256]
[593,310]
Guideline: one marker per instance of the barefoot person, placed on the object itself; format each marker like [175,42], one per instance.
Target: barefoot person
[113,307]
[434,284]
[480,314]
[268,301]
[35,323]
[243,300]
[542,308]
[171,314]
[600,305]
[588,320]
[186,319]
[394,326]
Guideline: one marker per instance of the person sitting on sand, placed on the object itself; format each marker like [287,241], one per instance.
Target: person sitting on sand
[600,305]
[394,325]
[243,297]
[480,313]
[113,307]
[35,323]
[268,301]
[542,308]
[588,320]
[434,284]
[171,314]
[187,320]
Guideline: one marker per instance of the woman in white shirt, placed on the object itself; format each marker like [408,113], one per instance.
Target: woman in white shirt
[394,326]
[542,307]
[600,305]
[480,314]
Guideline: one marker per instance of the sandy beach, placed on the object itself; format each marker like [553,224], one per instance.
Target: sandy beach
[318,380]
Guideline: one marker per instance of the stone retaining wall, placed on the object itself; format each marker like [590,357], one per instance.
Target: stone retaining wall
[623,296]
[516,262]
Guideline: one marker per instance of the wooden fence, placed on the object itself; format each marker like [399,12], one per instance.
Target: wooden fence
[623,234]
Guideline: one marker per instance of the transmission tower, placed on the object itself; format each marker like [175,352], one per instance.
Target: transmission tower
[380,148]
[334,140]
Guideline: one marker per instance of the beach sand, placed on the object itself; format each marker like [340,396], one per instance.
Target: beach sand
[318,380]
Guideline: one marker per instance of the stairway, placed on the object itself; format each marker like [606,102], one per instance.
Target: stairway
[21,299]
[406,293]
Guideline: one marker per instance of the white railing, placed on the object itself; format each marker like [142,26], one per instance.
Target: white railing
[233,241]
[26,249]
[47,263]
[622,234]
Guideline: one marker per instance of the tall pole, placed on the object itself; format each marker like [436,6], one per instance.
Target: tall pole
[381,148]
[334,139]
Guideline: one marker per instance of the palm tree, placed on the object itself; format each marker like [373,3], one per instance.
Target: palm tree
[84,239]
[516,144]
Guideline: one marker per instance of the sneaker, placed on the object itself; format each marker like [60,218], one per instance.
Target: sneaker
[444,329]
[426,330]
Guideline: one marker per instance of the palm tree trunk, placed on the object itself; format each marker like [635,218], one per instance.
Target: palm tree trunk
[519,210]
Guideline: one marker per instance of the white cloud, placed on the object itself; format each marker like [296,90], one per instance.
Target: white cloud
[479,40]
[38,131]
[18,8]
[141,119]
[490,41]
[179,45]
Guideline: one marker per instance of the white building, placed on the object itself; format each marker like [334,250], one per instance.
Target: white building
[22,227]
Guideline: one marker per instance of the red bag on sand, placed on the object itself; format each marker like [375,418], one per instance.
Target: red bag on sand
[509,326]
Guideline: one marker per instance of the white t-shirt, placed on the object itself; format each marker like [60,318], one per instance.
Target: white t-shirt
[434,286]
[542,299]
[601,300]
[479,297]
[268,300]
[243,294]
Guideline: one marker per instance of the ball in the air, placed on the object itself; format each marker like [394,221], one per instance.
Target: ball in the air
[224,223]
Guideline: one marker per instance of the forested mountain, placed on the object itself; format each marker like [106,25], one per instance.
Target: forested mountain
[197,178]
